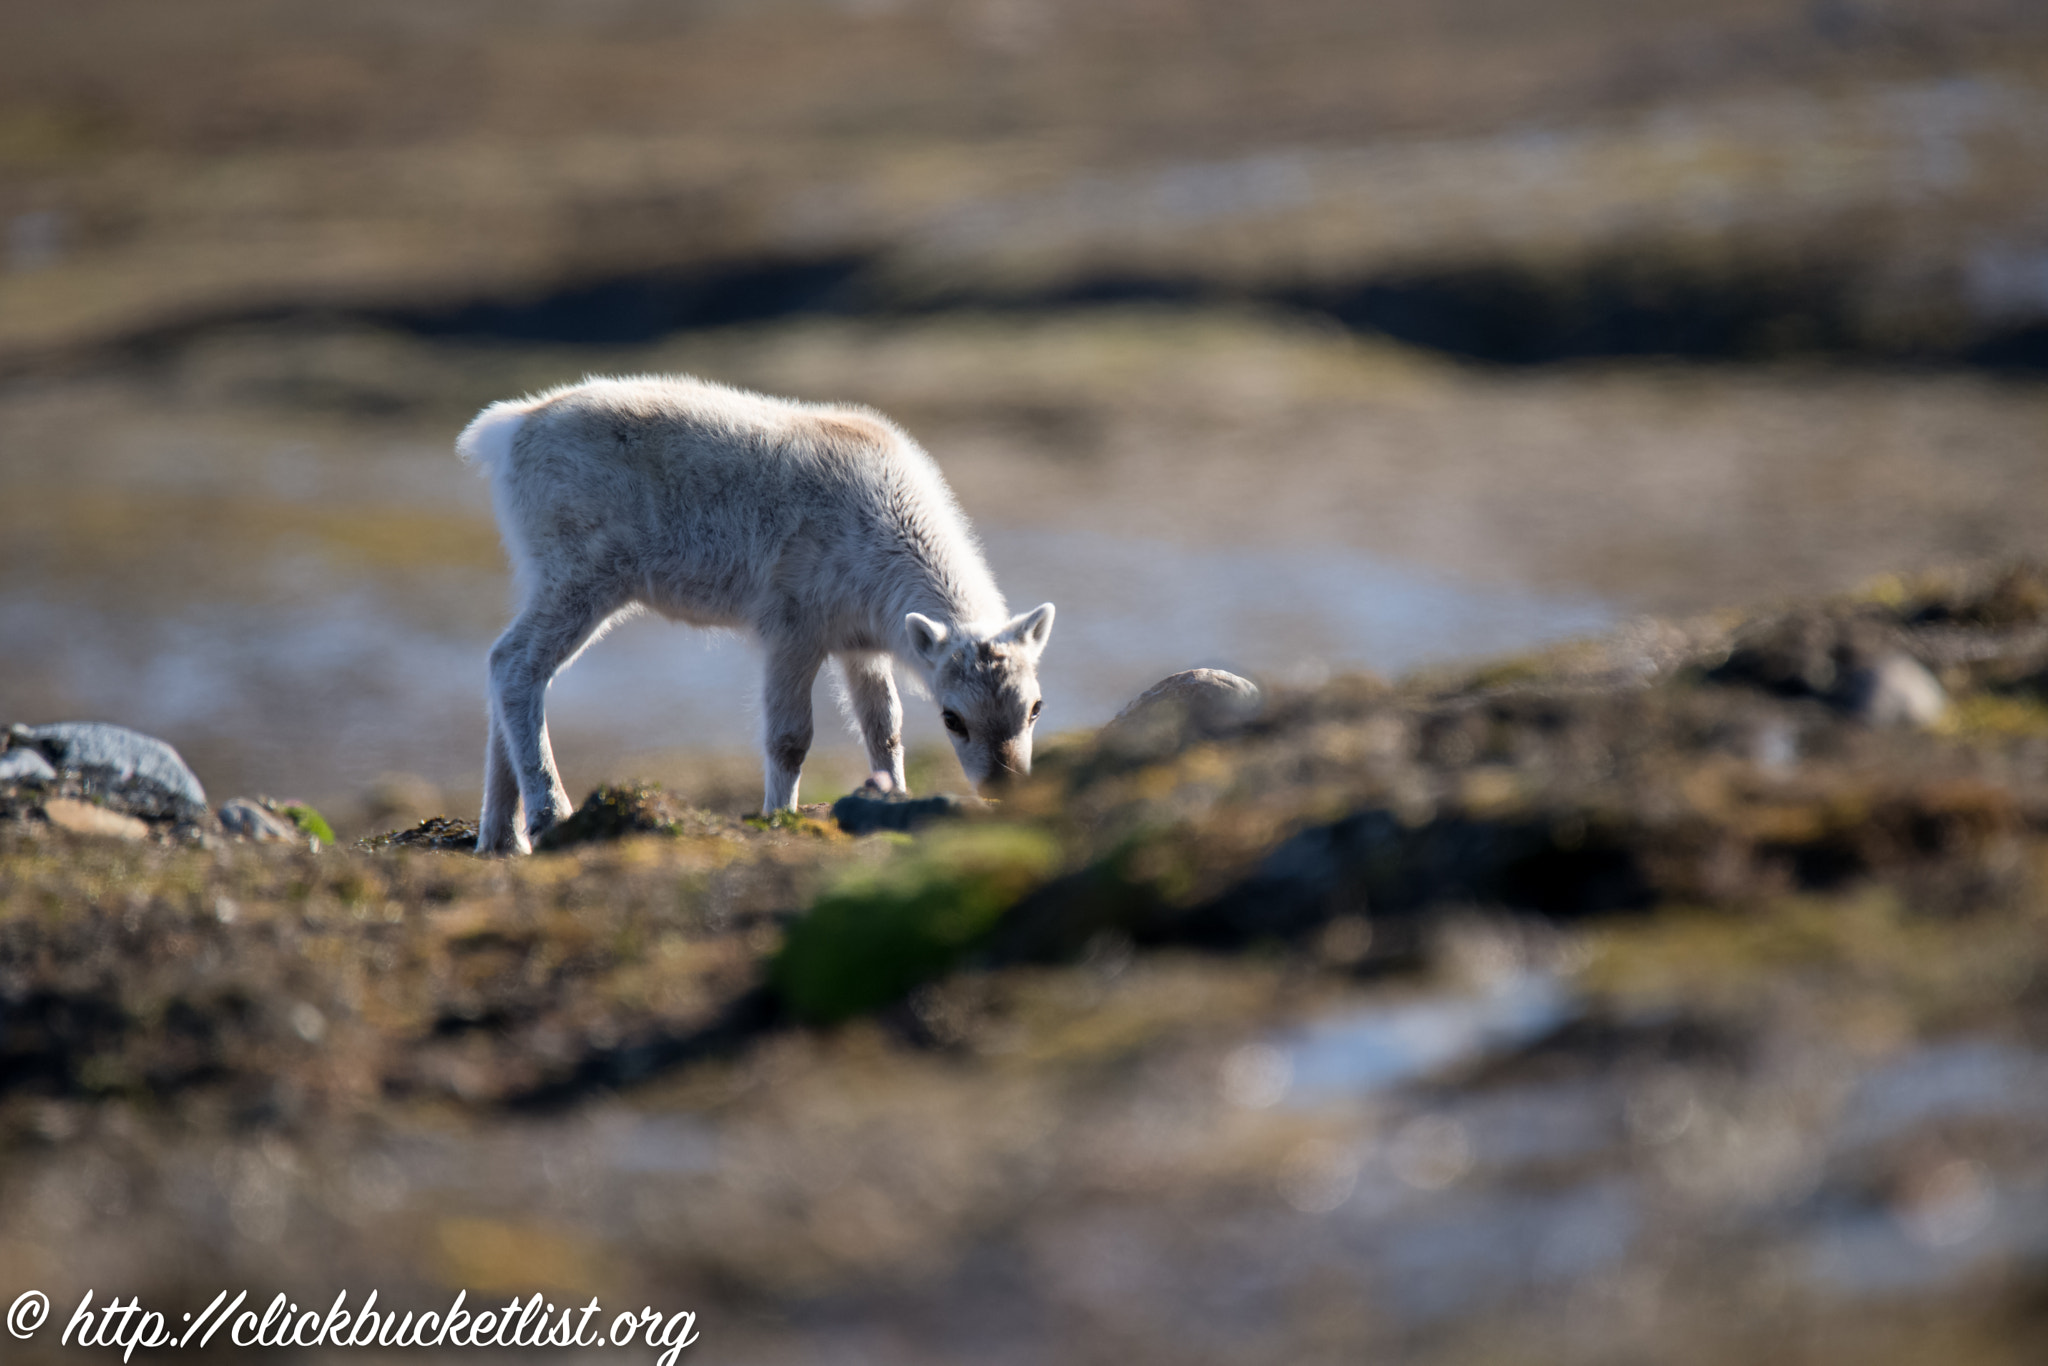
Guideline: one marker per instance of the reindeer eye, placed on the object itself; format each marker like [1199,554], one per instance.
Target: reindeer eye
[955,724]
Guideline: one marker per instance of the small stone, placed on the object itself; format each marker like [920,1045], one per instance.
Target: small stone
[25,765]
[82,818]
[249,820]
[1213,698]
[308,1023]
[1181,708]
[1896,690]
[127,755]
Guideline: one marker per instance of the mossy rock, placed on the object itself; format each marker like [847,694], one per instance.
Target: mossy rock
[435,832]
[880,932]
[802,822]
[615,811]
[309,821]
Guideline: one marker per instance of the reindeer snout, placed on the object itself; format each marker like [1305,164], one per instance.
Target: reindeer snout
[1008,765]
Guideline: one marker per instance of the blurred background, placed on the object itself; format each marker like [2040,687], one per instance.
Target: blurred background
[1287,337]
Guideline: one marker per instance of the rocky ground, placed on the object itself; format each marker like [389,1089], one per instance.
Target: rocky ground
[1675,996]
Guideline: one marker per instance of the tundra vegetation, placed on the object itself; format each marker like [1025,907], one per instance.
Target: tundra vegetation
[784,1072]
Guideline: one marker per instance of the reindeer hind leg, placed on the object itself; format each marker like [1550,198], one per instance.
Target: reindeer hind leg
[548,634]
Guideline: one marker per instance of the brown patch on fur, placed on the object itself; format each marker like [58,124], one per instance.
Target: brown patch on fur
[854,428]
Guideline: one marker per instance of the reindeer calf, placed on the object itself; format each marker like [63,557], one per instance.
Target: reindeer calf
[819,530]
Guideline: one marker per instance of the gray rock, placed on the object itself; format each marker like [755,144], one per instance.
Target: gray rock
[1195,704]
[245,818]
[867,811]
[1896,690]
[119,754]
[26,765]
[1210,696]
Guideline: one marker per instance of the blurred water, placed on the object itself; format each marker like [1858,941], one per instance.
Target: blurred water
[1132,610]
[1384,1044]
[322,682]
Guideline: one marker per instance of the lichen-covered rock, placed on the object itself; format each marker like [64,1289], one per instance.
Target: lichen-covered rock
[106,769]
[25,765]
[117,755]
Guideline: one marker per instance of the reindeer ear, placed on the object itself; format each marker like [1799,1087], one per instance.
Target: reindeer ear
[1032,629]
[927,637]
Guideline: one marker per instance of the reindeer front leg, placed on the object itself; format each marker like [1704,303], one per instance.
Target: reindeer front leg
[871,690]
[786,734]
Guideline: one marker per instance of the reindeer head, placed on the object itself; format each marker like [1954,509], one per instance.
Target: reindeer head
[986,685]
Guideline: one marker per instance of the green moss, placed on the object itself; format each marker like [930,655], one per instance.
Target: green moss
[794,822]
[309,821]
[1507,673]
[878,933]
